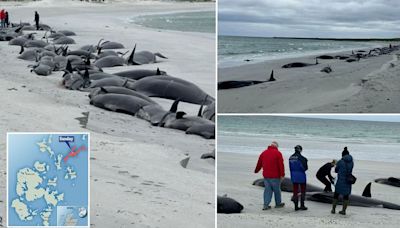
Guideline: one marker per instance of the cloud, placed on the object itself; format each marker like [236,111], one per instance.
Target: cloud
[303,18]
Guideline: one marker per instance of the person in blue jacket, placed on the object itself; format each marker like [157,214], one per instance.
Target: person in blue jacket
[298,167]
[344,168]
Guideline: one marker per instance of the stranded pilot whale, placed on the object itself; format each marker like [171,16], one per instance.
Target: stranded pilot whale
[238,84]
[226,205]
[389,181]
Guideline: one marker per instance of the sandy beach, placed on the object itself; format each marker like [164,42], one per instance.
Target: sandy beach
[236,175]
[367,86]
[136,176]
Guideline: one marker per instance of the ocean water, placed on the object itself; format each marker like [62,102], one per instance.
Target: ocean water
[203,21]
[320,138]
[233,50]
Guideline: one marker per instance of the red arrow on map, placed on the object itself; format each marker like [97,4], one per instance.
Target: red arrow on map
[74,153]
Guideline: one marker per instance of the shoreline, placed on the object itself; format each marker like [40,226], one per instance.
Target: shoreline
[235,177]
[137,162]
[350,88]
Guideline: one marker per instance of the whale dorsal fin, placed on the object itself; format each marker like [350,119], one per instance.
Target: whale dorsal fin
[200,110]
[367,191]
[130,59]
[103,90]
[271,77]
[158,71]
[69,66]
[174,106]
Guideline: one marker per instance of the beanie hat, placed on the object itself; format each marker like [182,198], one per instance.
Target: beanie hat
[345,152]
[275,143]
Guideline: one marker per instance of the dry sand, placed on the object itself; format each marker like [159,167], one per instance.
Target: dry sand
[136,177]
[236,174]
[368,86]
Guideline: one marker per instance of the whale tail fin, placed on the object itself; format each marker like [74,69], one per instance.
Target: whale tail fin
[367,191]
[160,55]
[271,77]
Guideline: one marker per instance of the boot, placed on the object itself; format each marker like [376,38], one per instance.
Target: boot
[343,211]
[302,207]
[334,203]
[296,204]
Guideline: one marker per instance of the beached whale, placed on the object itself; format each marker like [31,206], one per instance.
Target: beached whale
[64,40]
[389,181]
[19,41]
[226,205]
[111,45]
[238,84]
[208,155]
[35,43]
[119,103]
[287,186]
[143,57]
[110,61]
[112,81]
[67,33]
[118,90]
[42,69]
[354,200]
[138,74]
[190,124]
[172,88]
[297,64]
[155,114]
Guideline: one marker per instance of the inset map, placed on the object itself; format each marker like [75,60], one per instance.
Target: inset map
[48,179]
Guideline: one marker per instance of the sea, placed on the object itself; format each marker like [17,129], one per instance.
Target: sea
[320,138]
[202,21]
[234,50]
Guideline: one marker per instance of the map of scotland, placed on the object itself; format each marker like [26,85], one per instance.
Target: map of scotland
[48,179]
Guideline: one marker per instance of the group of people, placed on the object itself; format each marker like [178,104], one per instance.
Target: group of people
[271,162]
[4,19]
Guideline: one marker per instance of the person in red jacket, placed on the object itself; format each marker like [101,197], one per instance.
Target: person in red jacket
[2,18]
[271,161]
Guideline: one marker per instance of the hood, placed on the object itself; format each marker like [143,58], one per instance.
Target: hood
[347,158]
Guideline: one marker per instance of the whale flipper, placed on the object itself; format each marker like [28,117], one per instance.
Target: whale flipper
[367,191]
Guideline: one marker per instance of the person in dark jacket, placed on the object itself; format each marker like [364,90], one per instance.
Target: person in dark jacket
[298,166]
[344,168]
[323,173]
[271,161]
[37,18]
[7,20]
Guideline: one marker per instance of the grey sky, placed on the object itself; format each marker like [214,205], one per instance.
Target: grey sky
[364,117]
[310,18]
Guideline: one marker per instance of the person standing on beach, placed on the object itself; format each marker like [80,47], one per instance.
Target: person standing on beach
[298,167]
[2,18]
[6,20]
[344,169]
[324,172]
[271,161]
[37,18]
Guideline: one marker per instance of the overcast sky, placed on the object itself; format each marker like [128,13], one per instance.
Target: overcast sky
[364,117]
[310,18]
